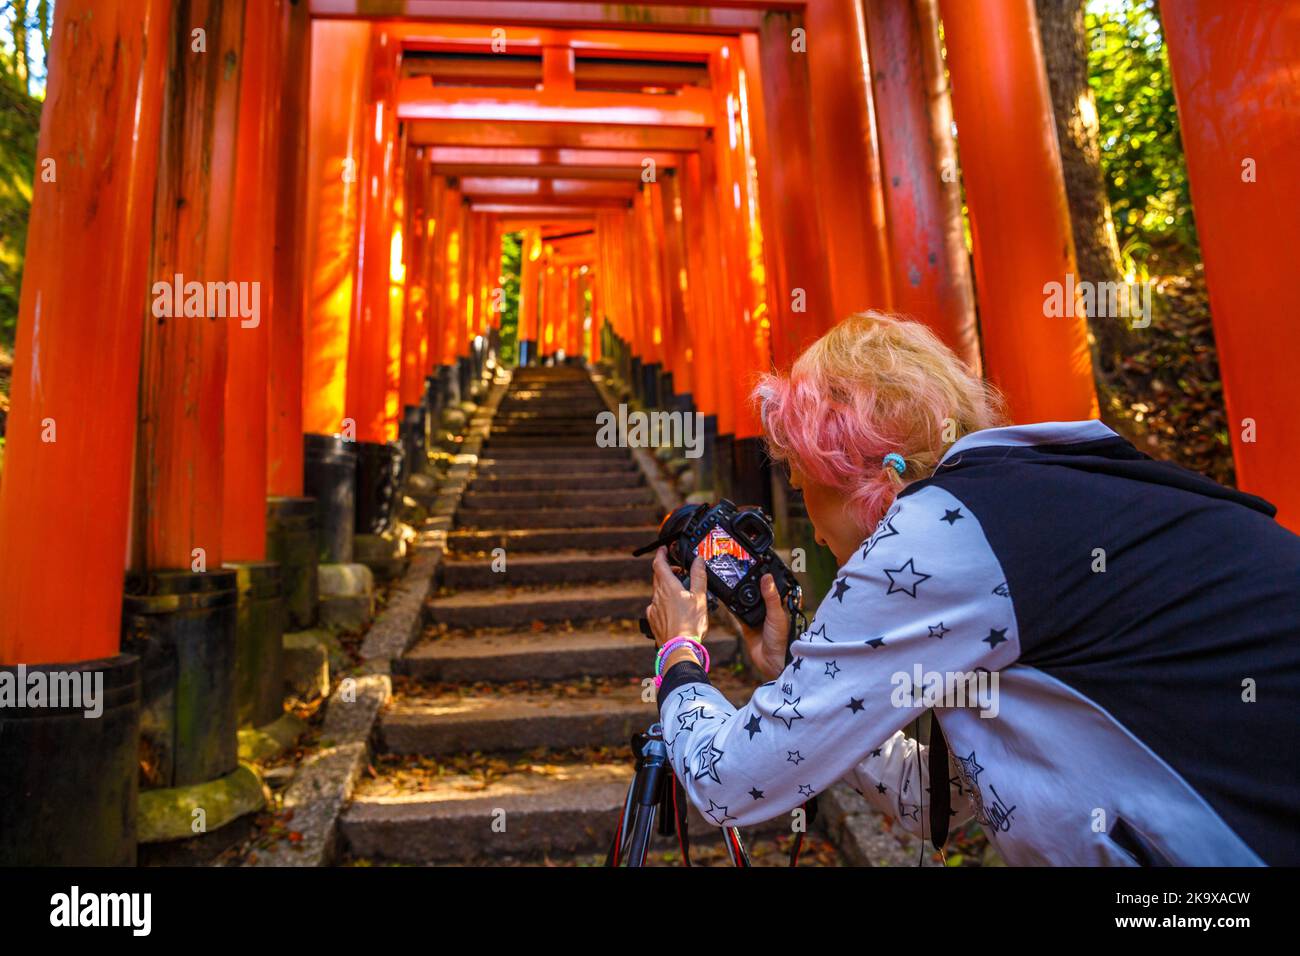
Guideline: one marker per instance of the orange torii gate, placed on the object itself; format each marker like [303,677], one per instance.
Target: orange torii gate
[748,173]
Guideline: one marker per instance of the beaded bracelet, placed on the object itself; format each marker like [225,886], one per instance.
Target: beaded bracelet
[701,655]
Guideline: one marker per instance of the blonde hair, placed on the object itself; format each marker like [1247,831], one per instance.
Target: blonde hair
[875,383]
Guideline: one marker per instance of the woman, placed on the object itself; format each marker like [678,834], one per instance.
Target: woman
[1131,629]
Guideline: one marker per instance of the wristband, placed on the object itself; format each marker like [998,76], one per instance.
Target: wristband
[701,655]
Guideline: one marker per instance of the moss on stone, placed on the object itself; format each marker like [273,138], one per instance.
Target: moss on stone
[170,814]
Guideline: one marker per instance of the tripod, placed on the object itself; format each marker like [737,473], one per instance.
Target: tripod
[655,794]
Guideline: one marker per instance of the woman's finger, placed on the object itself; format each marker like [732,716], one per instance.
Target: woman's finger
[699,577]
[664,574]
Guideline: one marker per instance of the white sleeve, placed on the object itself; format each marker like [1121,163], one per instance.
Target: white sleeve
[890,775]
[924,595]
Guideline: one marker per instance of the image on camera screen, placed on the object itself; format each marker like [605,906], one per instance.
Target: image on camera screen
[724,556]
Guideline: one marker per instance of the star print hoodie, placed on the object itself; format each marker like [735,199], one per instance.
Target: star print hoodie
[1110,645]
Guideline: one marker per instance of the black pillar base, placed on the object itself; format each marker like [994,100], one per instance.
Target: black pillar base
[259,643]
[723,467]
[330,477]
[751,476]
[181,625]
[413,437]
[69,789]
[527,352]
[464,377]
[706,466]
[291,543]
[379,469]
[635,379]
[650,385]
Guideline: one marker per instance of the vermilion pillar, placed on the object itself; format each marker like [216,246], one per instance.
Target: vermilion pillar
[529,292]
[396,294]
[415,249]
[930,266]
[675,281]
[1020,219]
[845,156]
[802,307]
[285,375]
[252,263]
[1237,78]
[699,290]
[368,357]
[182,392]
[340,57]
[71,427]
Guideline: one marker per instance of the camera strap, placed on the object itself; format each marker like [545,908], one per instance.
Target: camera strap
[940,795]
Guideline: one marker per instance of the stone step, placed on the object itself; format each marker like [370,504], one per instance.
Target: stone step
[549,655]
[509,720]
[569,498]
[550,453]
[554,446]
[552,567]
[549,807]
[532,465]
[559,517]
[581,480]
[516,608]
[562,810]
[619,537]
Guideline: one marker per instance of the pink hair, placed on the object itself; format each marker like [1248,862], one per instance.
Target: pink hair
[875,383]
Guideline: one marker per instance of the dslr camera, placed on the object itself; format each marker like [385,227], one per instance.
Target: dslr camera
[736,545]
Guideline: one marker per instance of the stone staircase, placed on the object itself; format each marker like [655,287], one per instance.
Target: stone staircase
[507,737]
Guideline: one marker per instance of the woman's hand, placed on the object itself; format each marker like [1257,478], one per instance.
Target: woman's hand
[767,646]
[675,611]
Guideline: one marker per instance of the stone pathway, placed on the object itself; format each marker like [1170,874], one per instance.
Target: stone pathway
[507,737]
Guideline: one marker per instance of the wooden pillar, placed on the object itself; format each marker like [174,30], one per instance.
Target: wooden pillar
[368,357]
[437,271]
[802,307]
[1020,219]
[529,256]
[675,282]
[340,73]
[414,351]
[1238,88]
[182,394]
[285,377]
[252,265]
[930,265]
[71,427]
[702,277]
[396,292]
[846,157]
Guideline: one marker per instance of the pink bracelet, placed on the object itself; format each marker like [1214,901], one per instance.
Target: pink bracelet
[701,655]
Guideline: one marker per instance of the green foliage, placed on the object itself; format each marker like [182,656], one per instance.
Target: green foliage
[21,69]
[1141,149]
[511,257]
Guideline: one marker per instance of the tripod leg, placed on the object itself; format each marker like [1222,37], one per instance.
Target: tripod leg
[614,857]
[735,847]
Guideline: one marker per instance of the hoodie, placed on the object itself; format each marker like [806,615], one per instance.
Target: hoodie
[1109,644]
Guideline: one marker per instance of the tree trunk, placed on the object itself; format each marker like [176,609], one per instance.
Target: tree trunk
[43,22]
[22,70]
[1065,52]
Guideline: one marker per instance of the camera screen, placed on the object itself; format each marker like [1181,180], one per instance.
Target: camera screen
[725,556]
